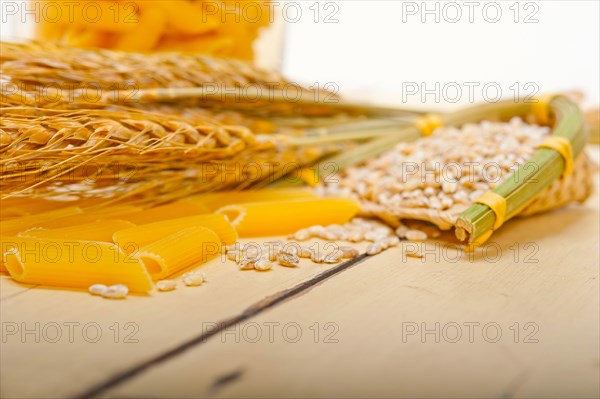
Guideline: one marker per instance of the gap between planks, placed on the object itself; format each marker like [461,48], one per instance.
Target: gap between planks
[253,310]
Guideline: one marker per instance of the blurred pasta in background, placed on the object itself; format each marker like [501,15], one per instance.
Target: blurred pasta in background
[222,28]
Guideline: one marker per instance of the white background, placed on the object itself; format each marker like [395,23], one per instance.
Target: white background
[382,51]
[371,51]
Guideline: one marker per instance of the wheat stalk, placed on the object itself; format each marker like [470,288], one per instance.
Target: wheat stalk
[52,133]
[69,75]
[144,156]
[46,64]
[42,74]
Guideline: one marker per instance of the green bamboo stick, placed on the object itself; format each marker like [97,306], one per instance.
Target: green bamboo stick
[529,180]
[384,140]
[366,151]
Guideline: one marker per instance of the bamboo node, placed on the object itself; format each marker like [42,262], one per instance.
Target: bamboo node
[309,176]
[497,204]
[428,123]
[541,109]
[564,148]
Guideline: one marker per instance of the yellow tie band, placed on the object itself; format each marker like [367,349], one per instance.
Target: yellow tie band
[428,123]
[309,176]
[563,147]
[541,109]
[497,204]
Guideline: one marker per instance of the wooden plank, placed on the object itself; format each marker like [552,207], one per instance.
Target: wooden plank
[132,331]
[8,289]
[373,305]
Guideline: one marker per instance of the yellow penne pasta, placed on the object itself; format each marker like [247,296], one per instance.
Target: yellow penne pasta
[149,27]
[178,251]
[11,213]
[72,263]
[130,240]
[183,17]
[219,199]
[32,205]
[101,230]
[14,226]
[82,37]
[105,16]
[285,217]
[208,43]
[3,268]
[50,31]
[174,210]
[121,211]
[88,216]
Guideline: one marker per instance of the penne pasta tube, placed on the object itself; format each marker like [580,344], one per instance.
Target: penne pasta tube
[90,216]
[178,251]
[82,37]
[104,16]
[10,213]
[130,240]
[101,230]
[149,27]
[183,17]
[219,199]
[14,226]
[3,268]
[174,210]
[26,205]
[209,43]
[50,31]
[72,263]
[286,217]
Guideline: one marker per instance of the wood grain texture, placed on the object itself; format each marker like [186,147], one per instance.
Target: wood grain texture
[374,302]
[540,272]
[550,282]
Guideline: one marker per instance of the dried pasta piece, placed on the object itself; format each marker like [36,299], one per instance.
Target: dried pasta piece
[82,37]
[174,210]
[90,216]
[12,212]
[101,230]
[148,30]
[183,18]
[14,226]
[105,16]
[178,251]
[51,31]
[219,199]
[207,43]
[100,16]
[132,239]
[285,217]
[120,212]
[72,263]
[26,205]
